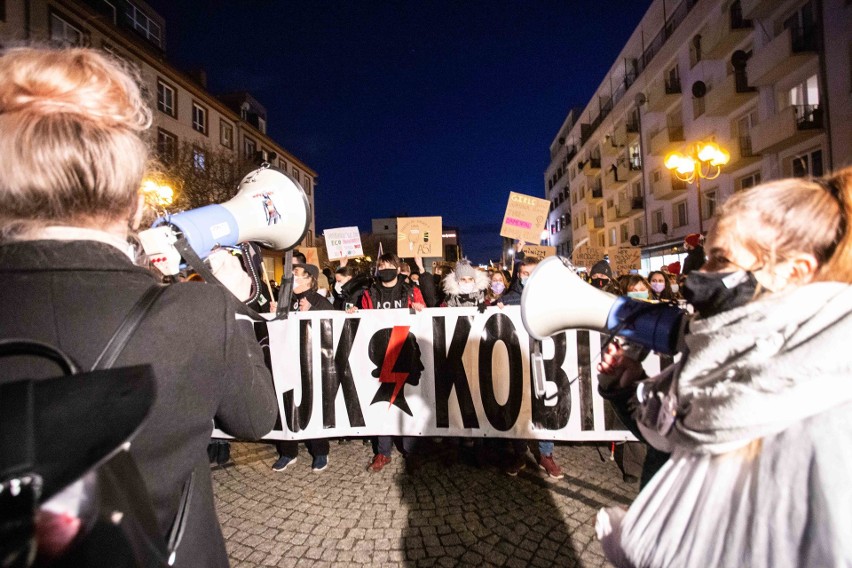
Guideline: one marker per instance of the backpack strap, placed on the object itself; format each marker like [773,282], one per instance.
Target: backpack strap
[125,331]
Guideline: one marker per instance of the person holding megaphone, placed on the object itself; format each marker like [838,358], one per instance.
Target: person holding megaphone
[73,151]
[755,413]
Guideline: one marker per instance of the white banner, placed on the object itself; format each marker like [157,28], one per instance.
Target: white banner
[441,372]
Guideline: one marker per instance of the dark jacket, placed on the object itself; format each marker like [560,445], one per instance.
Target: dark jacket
[74,294]
[351,292]
[400,296]
[694,260]
[317,301]
[513,296]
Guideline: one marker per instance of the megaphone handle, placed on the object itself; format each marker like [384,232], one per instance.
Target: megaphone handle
[285,292]
[538,370]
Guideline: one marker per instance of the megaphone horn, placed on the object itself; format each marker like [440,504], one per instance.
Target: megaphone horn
[270,208]
[556,299]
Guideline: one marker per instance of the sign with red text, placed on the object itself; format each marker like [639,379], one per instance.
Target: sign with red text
[525,218]
[441,372]
[344,242]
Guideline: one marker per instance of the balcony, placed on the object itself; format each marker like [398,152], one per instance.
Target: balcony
[616,176]
[792,125]
[667,187]
[610,146]
[596,222]
[743,154]
[721,36]
[664,141]
[628,206]
[729,95]
[753,9]
[790,50]
[592,166]
[663,93]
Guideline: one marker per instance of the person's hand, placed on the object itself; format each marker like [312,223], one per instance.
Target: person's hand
[228,269]
[304,305]
[351,310]
[417,306]
[418,260]
[621,368]
[519,246]
[344,261]
[273,307]
[501,305]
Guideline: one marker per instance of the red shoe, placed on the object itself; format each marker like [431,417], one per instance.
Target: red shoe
[551,467]
[379,462]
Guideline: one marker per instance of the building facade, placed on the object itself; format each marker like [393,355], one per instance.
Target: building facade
[767,80]
[185,113]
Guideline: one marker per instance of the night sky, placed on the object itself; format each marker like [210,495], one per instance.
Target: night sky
[409,108]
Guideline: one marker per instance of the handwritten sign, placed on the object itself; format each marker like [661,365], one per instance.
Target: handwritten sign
[625,259]
[539,252]
[419,236]
[586,257]
[343,242]
[525,217]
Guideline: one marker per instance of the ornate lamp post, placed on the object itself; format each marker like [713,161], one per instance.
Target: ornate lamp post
[158,196]
[703,160]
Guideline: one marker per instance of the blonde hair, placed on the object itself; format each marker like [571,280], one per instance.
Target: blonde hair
[779,218]
[72,145]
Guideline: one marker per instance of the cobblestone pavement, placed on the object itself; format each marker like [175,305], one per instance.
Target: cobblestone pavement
[445,513]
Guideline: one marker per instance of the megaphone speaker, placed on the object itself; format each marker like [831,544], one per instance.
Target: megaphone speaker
[555,299]
[269,208]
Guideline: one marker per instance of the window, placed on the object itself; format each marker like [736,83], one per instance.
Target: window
[694,50]
[807,164]
[804,98]
[226,134]
[601,240]
[307,185]
[166,98]
[679,214]
[261,124]
[744,125]
[625,233]
[167,144]
[748,181]
[141,23]
[656,176]
[295,174]
[672,85]
[657,221]
[199,160]
[697,106]
[249,148]
[708,204]
[65,33]
[199,118]
[613,240]
[635,156]
[639,227]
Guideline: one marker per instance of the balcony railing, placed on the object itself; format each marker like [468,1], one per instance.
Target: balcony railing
[804,38]
[808,117]
[745,147]
[673,86]
[637,202]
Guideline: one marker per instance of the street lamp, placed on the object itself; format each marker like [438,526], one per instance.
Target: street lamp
[157,195]
[703,160]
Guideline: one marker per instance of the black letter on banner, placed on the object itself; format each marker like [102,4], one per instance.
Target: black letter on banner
[336,372]
[500,328]
[261,332]
[449,373]
[584,370]
[553,417]
[299,416]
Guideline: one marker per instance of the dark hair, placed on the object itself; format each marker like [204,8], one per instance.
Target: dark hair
[389,258]
[347,270]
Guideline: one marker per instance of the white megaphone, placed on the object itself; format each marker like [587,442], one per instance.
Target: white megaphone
[270,208]
[556,299]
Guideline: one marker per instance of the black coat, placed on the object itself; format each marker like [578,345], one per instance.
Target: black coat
[351,292]
[74,294]
[694,260]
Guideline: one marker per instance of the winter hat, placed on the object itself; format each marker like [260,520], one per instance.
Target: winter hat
[674,268]
[464,269]
[693,239]
[311,269]
[601,267]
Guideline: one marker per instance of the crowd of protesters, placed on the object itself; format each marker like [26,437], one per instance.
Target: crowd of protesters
[748,466]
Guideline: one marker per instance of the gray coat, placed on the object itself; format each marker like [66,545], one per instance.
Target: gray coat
[74,294]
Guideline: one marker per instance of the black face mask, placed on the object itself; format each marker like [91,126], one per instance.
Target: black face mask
[712,293]
[388,274]
[600,283]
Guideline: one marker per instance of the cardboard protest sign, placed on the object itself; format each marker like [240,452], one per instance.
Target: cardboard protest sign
[624,259]
[311,256]
[586,256]
[525,217]
[419,236]
[539,252]
[455,372]
[343,242]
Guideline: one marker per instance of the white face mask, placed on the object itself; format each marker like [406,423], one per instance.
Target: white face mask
[338,287]
[467,287]
[675,288]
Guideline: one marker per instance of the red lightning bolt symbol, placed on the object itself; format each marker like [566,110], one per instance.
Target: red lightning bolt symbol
[397,339]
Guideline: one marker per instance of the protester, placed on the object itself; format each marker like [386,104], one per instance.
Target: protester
[305,298]
[753,411]
[695,256]
[72,157]
[498,286]
[390,292]
[348,287]
[424,280]
[465,286]
[661,289]
[517,461]
[636,286]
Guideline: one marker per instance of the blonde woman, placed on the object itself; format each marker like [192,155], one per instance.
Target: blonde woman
[73,132]
[755,414]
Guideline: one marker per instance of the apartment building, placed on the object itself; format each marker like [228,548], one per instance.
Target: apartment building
[184,111]
[770,81]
